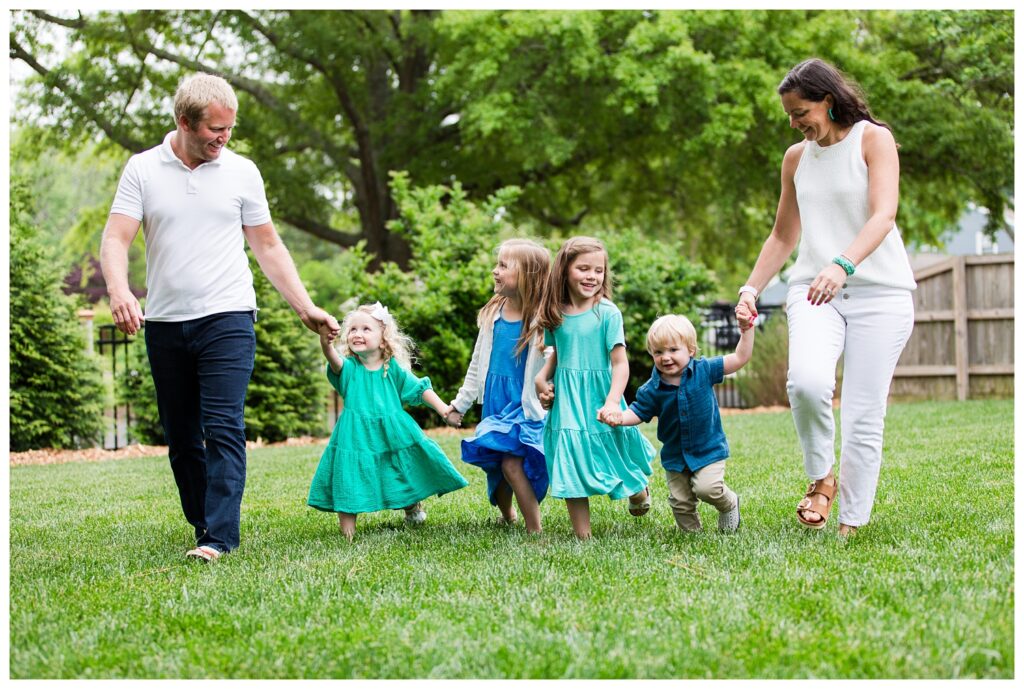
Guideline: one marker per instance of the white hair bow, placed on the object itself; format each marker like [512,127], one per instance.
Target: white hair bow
[380,312]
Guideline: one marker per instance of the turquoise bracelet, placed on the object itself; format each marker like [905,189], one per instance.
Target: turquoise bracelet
[844,263]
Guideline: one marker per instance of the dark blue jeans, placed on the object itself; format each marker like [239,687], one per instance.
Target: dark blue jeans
[201,369]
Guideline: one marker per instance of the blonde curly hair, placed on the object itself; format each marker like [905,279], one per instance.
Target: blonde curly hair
[394,344]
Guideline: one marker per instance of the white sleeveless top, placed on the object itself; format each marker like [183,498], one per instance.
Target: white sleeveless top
[832,194]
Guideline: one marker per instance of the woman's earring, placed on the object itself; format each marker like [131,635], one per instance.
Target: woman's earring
[830,115]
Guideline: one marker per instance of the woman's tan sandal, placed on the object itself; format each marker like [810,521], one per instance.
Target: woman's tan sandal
[817,499]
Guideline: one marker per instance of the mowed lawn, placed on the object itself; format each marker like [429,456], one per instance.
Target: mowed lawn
[99,588]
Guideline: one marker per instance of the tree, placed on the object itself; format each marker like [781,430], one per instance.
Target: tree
[56,389]
[666,121]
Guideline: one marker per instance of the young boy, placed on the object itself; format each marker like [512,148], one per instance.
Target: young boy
[680,393]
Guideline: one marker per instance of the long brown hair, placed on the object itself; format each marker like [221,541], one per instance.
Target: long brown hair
[556,293]
[814,79]
[531,261]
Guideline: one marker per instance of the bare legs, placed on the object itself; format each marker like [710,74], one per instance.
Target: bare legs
[512,469]
[579,515]
[347,524]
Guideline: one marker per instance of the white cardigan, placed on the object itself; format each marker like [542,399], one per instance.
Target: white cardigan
[472,389]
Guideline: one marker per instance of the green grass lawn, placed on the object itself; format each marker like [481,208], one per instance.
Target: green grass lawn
[99,588]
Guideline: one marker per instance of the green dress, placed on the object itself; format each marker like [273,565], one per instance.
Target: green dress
[378,457]
[586,457]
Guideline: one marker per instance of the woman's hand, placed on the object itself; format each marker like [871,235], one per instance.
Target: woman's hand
[827,285]
[746,311]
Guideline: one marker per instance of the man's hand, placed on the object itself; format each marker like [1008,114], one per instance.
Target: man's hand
[321,322]
[127,312]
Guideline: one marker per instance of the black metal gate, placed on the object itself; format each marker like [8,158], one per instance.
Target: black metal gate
[112,342]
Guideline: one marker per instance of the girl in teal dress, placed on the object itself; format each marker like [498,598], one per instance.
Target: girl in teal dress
[589,370]
[377,457]
[509,440]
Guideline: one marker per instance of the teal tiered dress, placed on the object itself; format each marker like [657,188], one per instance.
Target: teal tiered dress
[584,456]
[378,457]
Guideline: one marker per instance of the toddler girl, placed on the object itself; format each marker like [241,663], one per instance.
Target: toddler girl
[586,457]
[508,444]
[377,457]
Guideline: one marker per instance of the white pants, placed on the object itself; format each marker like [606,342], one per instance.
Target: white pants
[869,325]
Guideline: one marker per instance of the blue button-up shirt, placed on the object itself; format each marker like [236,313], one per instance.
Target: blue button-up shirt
[689,424]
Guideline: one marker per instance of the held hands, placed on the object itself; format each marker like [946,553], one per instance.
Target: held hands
[546,395]
[746,311]
[321,322]
[826,285]
[452,417]
[610,415]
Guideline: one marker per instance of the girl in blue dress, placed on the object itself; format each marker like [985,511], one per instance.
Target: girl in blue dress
[582,379]
[508,443]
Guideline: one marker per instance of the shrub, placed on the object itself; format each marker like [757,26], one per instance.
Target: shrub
[56,387]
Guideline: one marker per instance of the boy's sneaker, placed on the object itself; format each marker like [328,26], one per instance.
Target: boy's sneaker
[415,514]
[730,521]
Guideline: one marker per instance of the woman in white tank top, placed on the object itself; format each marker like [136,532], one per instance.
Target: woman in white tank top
[849,289]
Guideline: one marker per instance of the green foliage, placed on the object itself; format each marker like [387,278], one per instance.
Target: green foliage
[762,382]
[56,389]
[135,387]
[287,393]
[682,135]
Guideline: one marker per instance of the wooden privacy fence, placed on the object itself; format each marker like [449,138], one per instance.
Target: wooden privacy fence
[962,344]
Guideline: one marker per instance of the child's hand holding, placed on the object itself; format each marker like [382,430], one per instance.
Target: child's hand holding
[745,316]
[453,418]
[610,414]
[546,395]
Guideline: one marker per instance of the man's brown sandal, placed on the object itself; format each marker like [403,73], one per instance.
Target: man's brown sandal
[818,499]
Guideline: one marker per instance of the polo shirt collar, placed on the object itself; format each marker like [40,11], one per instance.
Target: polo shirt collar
[167,153]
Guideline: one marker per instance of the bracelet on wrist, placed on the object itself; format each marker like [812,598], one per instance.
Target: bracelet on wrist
[845,263]
[747,289]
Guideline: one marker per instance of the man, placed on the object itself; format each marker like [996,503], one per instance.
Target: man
[196,200]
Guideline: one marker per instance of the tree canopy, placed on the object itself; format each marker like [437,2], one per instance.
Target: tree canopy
[666,121]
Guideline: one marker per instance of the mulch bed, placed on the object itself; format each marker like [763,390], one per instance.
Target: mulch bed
[100,455]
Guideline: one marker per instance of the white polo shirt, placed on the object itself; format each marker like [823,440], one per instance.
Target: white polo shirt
[192,221]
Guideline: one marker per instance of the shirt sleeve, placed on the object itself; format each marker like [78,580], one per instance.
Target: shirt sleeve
[549,338]
[716,369]
[128,199]
[643,406]
[255,209]
[410,388]
[613,332]
[335,378]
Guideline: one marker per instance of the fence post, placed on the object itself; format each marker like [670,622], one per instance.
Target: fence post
[85,317]
[960,327]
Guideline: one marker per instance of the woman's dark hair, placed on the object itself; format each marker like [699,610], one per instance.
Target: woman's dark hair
[814,79]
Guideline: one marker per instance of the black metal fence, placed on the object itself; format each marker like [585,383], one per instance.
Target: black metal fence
[720,336]
[114,343]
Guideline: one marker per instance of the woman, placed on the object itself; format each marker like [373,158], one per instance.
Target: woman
[849,289]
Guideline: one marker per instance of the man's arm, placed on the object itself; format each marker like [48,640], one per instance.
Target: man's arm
[118,236]
[276,263]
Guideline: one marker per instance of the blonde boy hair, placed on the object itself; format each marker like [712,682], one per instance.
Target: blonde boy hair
[197,92]
[531,261]
[671,329]
[393,342]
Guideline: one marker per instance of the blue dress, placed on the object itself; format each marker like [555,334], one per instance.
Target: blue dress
[504,429]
